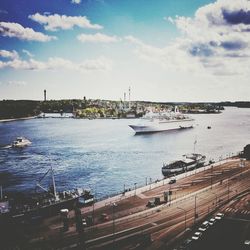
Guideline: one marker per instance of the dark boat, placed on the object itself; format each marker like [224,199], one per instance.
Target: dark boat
[47,203]
[189,162]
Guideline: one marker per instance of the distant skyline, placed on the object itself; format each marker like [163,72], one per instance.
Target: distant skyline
[165,50]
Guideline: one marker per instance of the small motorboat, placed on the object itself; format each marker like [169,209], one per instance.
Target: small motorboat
[20,142]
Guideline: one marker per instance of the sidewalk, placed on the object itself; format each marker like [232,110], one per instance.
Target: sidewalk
[109,201]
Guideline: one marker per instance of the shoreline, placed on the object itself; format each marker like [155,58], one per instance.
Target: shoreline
[17,119]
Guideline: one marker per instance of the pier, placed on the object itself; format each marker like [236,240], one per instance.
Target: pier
[125,219]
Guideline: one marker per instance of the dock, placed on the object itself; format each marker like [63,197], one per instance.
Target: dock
[126,219]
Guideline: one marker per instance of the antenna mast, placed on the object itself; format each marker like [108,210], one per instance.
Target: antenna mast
[195,142]
[53,182]
[129,97]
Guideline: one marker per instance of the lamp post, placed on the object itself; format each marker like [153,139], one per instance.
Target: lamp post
[211,176]
[185,211]
[195,213]
[113,215]
[93,211]
[135,187]
[216,198]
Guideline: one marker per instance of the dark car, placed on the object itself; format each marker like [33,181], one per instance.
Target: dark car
[172,181]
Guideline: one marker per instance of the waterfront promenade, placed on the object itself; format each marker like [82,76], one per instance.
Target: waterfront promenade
[127,215]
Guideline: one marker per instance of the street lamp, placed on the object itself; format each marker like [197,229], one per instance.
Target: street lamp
[211,176]
[113,215]
[216,198]
[135,187]
[185,211]
[195,213]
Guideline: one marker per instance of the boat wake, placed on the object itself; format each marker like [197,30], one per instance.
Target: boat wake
[5,147]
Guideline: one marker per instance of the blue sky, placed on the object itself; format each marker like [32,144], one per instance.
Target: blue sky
[165,50]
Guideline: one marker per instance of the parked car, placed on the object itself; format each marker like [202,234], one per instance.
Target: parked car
[196,235]
[202,229]
[220,215]
[84,223]
[172,181]
[205,224]
[151,203]
[104,217]
[211,221]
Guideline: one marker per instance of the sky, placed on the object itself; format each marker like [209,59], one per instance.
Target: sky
[164,50]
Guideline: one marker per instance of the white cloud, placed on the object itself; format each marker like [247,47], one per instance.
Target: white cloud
[76,1]
[14,83]
[56,22]
[9,54]
[216,41]
[17,30]
[57,63]
[17,83]
[27,53]
[97,38]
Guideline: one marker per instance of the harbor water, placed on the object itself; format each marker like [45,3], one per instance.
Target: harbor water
[104,154]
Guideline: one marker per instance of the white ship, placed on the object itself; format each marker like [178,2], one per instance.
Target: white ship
[163,121]
[20,142]
[189,162]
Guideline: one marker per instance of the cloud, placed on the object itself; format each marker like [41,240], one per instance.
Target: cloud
[56,22]
[97,38]
[27,53]
[215,41]
[76,1]
[57,63]
[17,30]
[16,83]
[9,54]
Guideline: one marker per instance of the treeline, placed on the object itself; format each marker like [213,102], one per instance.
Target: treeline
[17,109]
[10,109]
[82,107]
[241,104]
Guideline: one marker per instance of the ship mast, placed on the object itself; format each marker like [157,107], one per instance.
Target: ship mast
[195,142]
[53,182]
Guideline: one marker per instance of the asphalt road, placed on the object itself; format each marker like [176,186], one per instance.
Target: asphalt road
[163,223]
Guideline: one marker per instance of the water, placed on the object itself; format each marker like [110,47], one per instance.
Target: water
[105,154]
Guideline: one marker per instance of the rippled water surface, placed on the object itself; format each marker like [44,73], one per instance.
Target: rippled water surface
[105,154]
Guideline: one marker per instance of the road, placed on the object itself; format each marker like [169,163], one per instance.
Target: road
[166,222]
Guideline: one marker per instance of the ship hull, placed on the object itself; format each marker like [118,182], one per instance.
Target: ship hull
[174,171]
[50,209]
[162,126]
[191,162]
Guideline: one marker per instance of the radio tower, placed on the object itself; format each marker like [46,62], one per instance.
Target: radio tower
[129,98]
[124,100]
[44,93]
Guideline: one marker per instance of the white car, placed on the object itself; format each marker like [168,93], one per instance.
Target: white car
[205,224]
[220,215]
[84,223]
[211,221]
[202,229]
[196,235]
[247,242]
